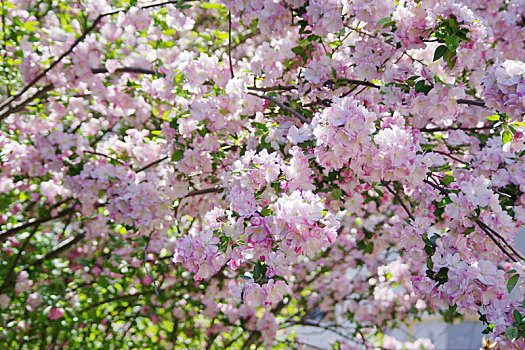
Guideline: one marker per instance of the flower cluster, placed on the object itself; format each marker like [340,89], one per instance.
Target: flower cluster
[504,88]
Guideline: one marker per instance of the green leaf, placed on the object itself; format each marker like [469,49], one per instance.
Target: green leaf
[337,193]
[452,22]
[452,42]
[266,211]
[177,155]
[169,32]
[447,180]
[440,51]
[494,117]
[511,333]
[421,87]
[506,137]
[31,26]
[384,20]
[517,316]
[447,57]
[511,283]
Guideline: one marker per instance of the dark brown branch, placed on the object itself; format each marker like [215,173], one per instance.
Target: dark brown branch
[351,81]
[488,231]
[450,156]
[483,227]
[35,222]
[55,62]
[80,39]
[152,164]
[251,339]
[146,266]
[62,246]
[281,105]
[274,88]
[230,43]
[203,191]
[137,70]
[9,276]
[440,189]
[399,200]
[105,155]
[481,223]
[479,103]
[328,82]
[23,104]
[50,87]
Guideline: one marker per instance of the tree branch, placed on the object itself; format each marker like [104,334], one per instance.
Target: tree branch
[483,227]
[488,231]
[9,276]
[62,246]
[80,39]
[425,129]
[137,70]
[203,191]
[281,105]
[230,43]
[21,105]
[399,200]
[479,103]
[152,164]
[105,155]
[34,222]
[450,156]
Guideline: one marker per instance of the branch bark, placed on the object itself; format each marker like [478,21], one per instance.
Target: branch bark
[35,222]
[281,105]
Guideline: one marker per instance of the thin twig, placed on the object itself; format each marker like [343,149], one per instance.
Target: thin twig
[495,233]
[489,231]
[64,245]
[146,266]
[152,164]
[450,156]
[9,276]
[351,81]
[399,200]
[20,106]
[483,227]
[479,103]
[203,191]
[274,88]
[106,156]
[230,43]
[281,105]
[80,39]
[35,222]
[137,70]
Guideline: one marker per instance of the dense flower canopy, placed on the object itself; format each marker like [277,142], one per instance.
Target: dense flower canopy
[193,174]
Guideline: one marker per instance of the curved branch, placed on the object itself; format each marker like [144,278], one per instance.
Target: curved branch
[399,200]
[64,245]
[281,105]
[203,191]
[80,39]
[35,222]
